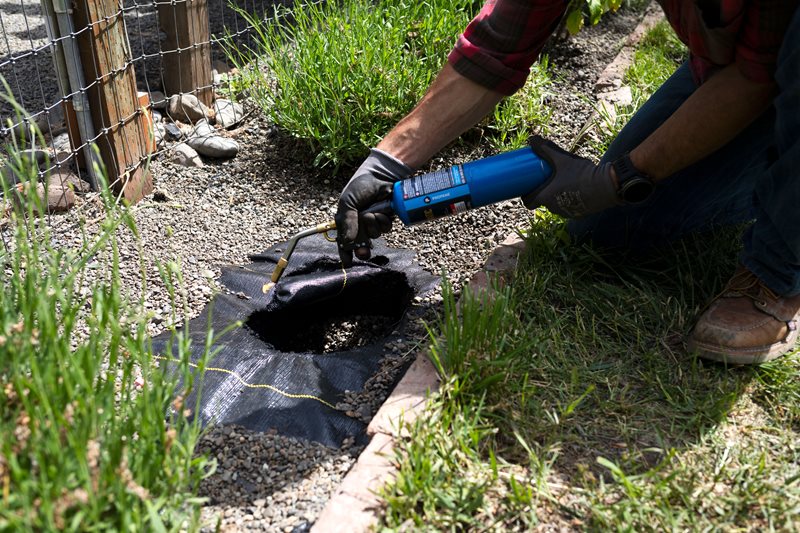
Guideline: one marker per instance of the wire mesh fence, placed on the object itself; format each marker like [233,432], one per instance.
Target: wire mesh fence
[88,74]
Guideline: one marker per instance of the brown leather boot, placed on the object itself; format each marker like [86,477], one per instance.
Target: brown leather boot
[746,324]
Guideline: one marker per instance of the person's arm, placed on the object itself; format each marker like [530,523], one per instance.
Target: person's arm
[713,115]
[452,105]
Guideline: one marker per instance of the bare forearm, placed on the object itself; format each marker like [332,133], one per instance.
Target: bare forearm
[719,110]
[452,105]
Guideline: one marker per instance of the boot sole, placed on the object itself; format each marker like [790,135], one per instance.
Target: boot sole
[752,356]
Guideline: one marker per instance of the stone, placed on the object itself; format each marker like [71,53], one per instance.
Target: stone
[68,180]
[172,132]
[158,100]
[228,113]
[186,156]
[187,107]
[60,199]
[61,143]
[160,133]
[207,142]
[9,174]
[57,199]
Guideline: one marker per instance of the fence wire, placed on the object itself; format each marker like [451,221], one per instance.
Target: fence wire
[33,37]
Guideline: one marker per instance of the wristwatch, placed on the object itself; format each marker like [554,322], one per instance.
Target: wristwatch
[634,186]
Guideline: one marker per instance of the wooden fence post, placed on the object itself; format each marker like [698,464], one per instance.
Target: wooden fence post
[123,138]
[186,59]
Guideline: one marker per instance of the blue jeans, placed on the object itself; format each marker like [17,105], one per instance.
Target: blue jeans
[755,177]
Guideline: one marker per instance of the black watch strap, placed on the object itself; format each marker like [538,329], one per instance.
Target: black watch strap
[634,187]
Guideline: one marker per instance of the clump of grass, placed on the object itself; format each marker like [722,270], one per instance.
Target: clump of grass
[570,401]
[90,439]
[656,58]
[341,75]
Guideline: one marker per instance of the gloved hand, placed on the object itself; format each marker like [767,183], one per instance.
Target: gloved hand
[577,187]
[371,183]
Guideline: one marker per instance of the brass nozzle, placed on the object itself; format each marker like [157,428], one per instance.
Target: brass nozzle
[284,260]
[276,274]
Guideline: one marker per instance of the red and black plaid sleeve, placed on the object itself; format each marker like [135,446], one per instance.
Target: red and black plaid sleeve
[748,33]
[503,40]
[759,41]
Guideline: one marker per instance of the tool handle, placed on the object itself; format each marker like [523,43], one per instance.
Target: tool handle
[383,207]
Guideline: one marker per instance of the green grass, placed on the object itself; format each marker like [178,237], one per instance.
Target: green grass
[340,76]
[659,53]
[83,447]
[570,401]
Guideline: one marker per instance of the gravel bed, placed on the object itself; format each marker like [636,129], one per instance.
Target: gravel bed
[217,214]
[268,482]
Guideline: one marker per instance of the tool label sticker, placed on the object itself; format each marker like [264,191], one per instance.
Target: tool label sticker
[433,182]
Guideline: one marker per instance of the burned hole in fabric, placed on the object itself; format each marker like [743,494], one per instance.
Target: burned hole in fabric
[360,315]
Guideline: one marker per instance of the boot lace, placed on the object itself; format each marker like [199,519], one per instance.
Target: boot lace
[745,283]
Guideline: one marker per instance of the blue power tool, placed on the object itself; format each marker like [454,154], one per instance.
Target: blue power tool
[463,187]
[446,192]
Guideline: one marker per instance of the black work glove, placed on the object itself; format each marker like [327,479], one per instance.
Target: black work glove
[577,186]
[371,183]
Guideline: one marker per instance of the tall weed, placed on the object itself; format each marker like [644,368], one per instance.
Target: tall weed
[86,441]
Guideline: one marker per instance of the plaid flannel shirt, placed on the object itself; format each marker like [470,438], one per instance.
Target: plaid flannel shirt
[507,36]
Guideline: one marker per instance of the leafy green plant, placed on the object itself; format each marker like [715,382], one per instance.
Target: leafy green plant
[578,11]
[90,437]
[341,75]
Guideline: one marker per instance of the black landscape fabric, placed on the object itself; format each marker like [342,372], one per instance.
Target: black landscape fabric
[286,368]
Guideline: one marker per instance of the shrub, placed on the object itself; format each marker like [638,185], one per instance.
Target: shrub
[341,75]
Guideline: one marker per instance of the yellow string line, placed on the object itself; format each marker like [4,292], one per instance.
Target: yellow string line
[262,385]
[344,282]
[252,385]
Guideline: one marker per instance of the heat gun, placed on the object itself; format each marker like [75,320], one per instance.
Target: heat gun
[448,191]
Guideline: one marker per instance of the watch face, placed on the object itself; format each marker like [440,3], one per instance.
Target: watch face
[636,190]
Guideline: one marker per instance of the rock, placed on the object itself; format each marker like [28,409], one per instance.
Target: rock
[157,117]
[186,156]
[187,107]
[61,143]
[58,199]
[160,195]
[67,180]
[28,159]
[228,113]
[33,154]
[220,71]
[158,100]
[205,140]
[160,133]
[172,132]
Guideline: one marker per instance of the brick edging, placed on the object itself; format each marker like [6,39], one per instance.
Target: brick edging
[355,507]
[609,88]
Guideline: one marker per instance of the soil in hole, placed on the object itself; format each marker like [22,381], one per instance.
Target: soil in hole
[363,314]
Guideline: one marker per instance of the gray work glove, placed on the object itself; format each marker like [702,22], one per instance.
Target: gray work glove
[577,186]
[371,183]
